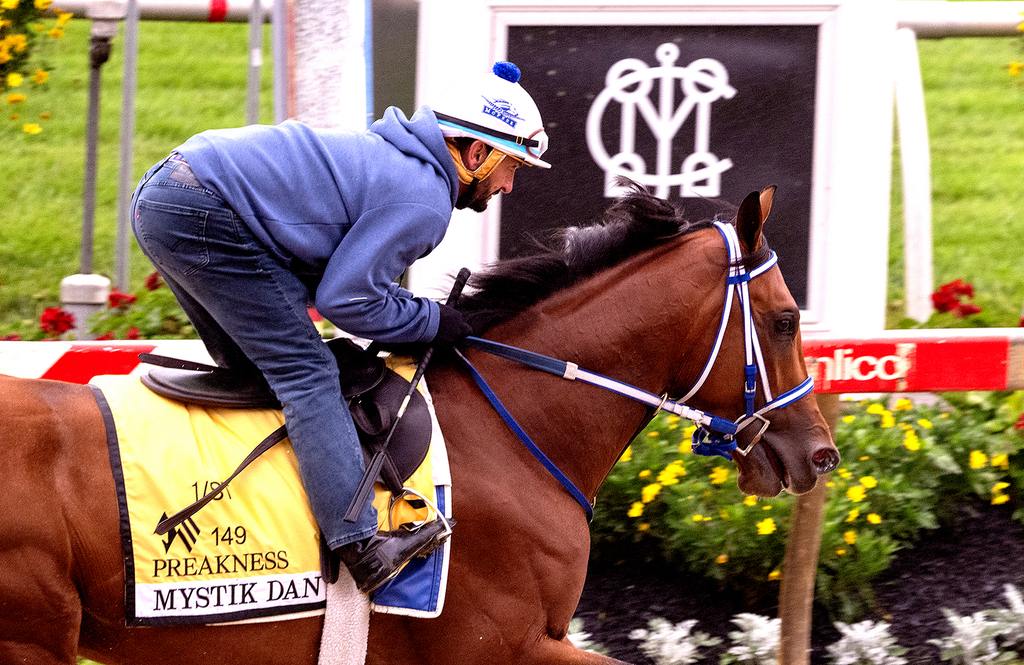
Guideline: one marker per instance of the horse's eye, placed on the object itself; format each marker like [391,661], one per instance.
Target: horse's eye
[786,325]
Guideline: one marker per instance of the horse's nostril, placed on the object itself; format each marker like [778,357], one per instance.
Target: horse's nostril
[825,460]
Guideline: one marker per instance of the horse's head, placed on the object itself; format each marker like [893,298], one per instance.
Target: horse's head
[783,441]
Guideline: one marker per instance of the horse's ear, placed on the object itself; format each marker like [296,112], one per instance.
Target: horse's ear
[751,216]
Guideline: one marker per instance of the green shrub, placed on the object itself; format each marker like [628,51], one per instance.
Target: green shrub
[904,469]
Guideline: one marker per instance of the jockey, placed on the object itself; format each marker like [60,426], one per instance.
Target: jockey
[249,226]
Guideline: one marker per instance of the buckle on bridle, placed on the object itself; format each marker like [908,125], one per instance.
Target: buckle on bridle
[743,424]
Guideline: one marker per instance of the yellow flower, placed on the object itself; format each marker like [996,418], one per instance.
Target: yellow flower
[874,518]
[40,77]
[18,42]
[636,510]
[876,409]
[766,527]
[9,4]
[844,473]
[1001,461]
[848,419]
[43,4]
[998,493]
[648,493]
[767,506]
[841,551]
[1000,486]
[627,454]
[653,434]
[697,517]
[14,79]
[853,515]
[750,500]
[902,404]
[16,98]
[856,493]
[850,537]
[925,423]
[864,458]
[978,459]
[63,18]
[643,526]
[910,441]
[1000,499]
[719,475]
[775,575]
[31,128]
[670,474]
[56,33]
[869,482]
[830,484]
[722,559]
[646,473]
[887,421]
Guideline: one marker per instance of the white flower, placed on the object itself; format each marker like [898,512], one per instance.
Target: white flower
[866,643]
[756,642]
[668,644]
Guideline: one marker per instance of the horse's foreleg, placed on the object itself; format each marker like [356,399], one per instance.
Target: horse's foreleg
[562,652]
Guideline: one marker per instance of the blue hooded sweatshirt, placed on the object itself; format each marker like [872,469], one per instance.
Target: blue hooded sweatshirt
[347,212]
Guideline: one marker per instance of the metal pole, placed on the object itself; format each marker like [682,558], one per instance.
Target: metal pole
[99,53]
[252,107]
[128,87]
[279,35]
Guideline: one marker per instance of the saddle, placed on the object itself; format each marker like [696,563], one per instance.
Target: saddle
[373,392]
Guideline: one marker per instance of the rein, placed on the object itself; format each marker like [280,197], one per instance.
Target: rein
[714,435]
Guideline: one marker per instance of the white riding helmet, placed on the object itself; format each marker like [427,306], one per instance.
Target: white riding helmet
[497,111]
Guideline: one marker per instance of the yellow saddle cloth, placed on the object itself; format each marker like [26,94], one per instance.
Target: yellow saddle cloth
[252,552]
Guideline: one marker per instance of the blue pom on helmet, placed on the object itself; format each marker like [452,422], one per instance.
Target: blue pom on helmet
[507,71]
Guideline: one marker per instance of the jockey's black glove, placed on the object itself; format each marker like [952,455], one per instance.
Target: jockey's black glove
[453,327]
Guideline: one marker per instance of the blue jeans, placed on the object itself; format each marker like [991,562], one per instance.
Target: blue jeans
[251,313]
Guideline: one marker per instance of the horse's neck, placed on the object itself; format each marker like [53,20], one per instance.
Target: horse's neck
[626,323]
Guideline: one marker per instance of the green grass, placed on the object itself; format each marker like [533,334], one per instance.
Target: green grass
[193,76]
[976,132]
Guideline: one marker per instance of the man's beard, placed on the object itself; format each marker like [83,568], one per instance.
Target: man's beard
[475,198]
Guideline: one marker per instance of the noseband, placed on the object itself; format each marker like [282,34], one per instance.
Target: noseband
[714,435]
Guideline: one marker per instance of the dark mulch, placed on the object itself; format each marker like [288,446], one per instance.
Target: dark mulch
[962,566]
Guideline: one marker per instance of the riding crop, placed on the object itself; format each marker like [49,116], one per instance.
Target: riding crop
[377,461]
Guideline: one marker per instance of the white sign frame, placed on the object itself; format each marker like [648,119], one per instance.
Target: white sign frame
[849,229]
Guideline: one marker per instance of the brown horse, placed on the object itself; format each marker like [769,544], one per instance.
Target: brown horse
[637,298]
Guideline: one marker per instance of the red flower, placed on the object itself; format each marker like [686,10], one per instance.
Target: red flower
[1019,425]
[153,281]
[119,300]
[133,333]
[949,298]
[12,337]
[55,321]
[105,336]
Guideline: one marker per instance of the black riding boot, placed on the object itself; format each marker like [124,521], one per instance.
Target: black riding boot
[374,561]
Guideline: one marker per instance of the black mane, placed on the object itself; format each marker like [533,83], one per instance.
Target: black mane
[635,222]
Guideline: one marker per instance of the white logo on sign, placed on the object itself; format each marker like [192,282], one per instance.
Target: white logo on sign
[702,82]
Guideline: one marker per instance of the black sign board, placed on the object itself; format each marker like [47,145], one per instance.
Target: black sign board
[740,96]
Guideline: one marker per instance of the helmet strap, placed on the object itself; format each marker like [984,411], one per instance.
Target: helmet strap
[494,157]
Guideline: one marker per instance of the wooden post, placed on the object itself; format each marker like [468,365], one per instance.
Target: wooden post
[796,595]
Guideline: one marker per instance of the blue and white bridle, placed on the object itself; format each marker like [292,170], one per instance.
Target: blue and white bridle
[714,435]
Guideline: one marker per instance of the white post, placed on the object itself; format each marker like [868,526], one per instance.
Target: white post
[82,296]
[330,63]
[915,160]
